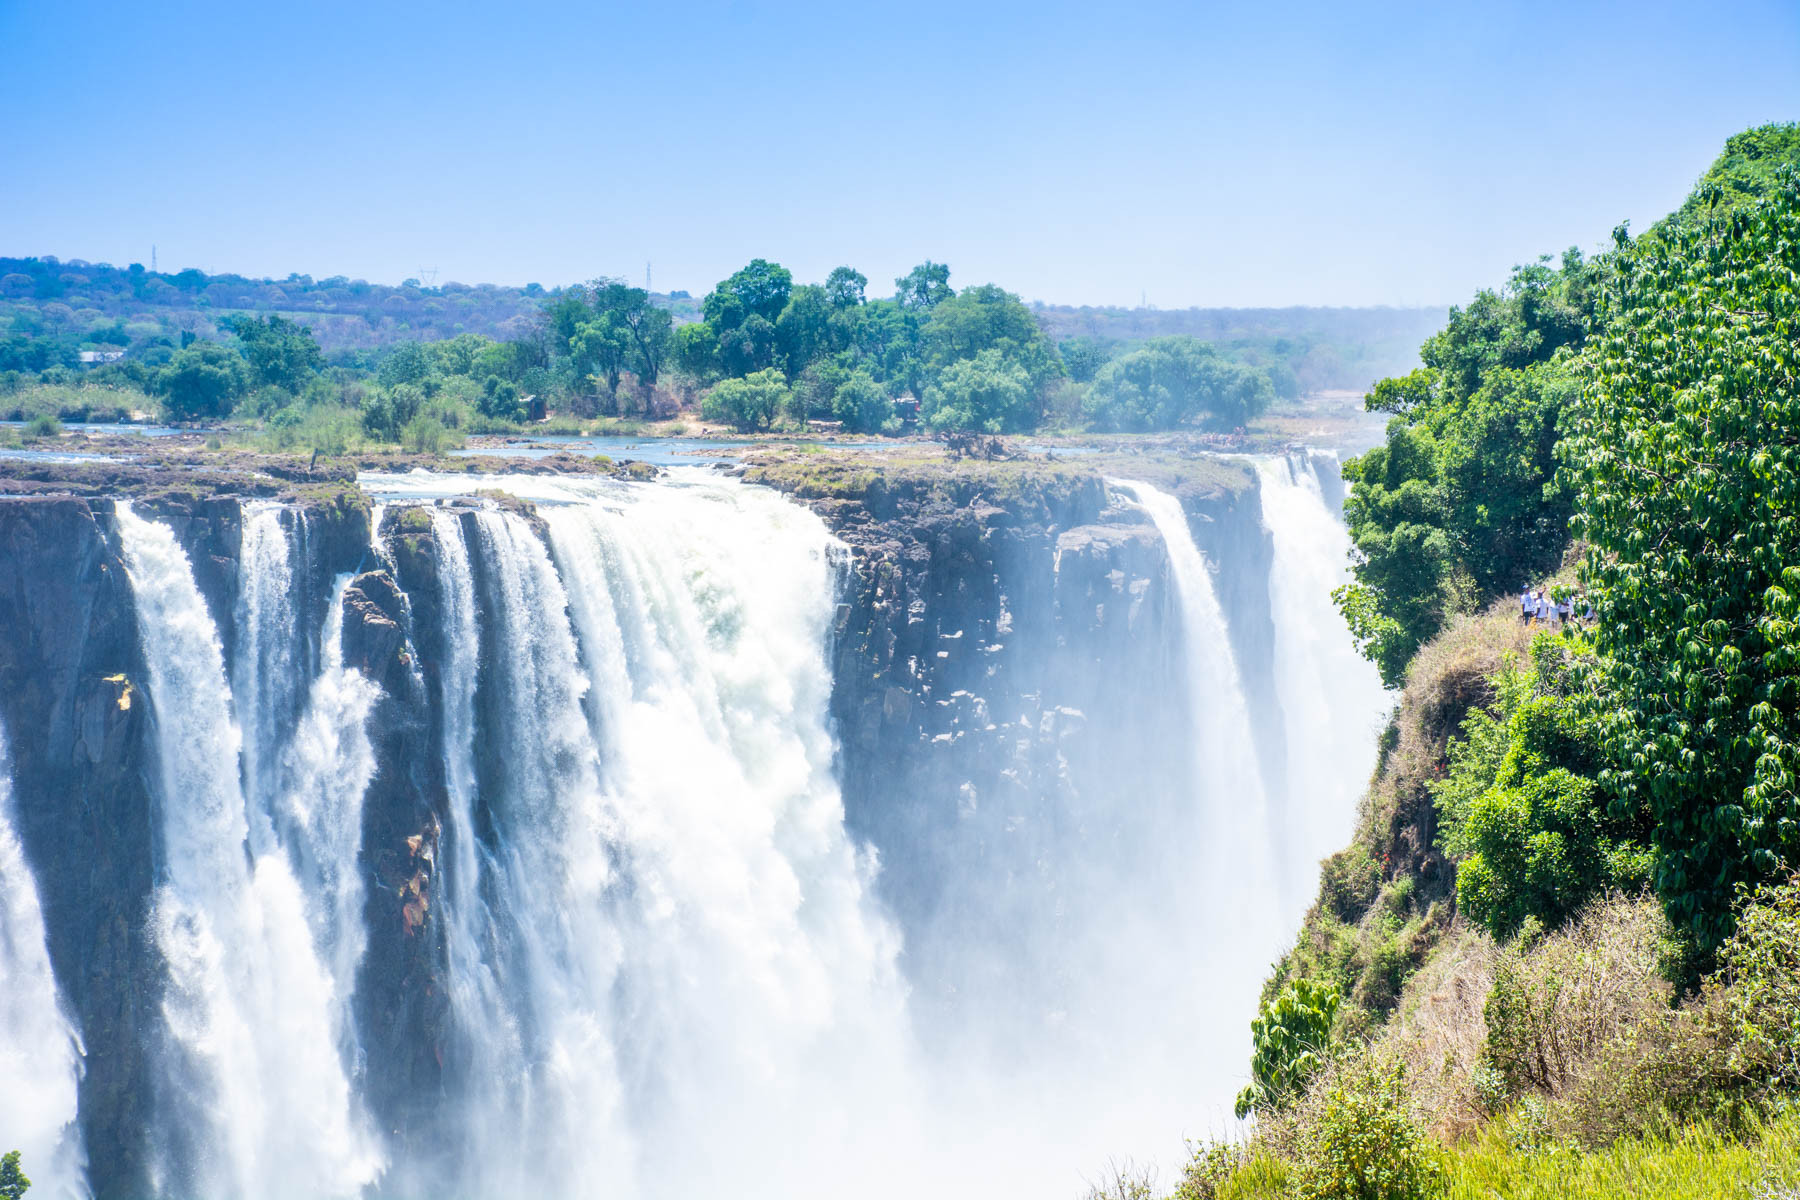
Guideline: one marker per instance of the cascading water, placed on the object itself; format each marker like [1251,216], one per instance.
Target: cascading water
[256,1099]
[1227,779]
[659,932]
[40,1054]
[663,967]
[1332,701]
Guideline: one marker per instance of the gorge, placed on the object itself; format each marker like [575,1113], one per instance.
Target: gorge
[565,833]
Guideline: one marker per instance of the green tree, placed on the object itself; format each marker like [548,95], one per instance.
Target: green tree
[863,405]
[749,403]
[845,287]
[1082,357]
[600,349]
[1521,809]
[1291,1037]
[1683,458]
[925,286]
[1171,381]
[407,362]
[499,400]
[13,1183]
[1462,502]
[988,317]
[803,331]
[280,352]
[203,381]
[985,394]
[760,290]
[644,328]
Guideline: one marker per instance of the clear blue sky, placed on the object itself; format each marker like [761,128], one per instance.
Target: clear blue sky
[1260,152]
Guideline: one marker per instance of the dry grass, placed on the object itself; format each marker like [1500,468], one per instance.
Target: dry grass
[1439,1031]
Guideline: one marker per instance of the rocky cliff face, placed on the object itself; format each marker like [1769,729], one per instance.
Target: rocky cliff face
[1007,662]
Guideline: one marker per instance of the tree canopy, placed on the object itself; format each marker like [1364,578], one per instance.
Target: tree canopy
[1685,457]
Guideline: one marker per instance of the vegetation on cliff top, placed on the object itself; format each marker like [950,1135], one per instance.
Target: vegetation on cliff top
[1567,932]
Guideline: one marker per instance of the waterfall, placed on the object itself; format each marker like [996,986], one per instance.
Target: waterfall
[663,958]
[256,1098]
[1228,781]
[1332,700]
[40,1053]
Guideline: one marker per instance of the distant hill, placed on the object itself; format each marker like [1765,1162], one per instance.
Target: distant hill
[100,304]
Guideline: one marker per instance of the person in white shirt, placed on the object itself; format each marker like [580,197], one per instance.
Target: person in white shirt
[1525,606]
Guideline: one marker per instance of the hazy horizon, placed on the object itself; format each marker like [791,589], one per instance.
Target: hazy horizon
[1297,155]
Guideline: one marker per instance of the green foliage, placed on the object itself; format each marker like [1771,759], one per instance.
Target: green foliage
[1748,170]
[427,434]
[13,1183]
[1759,970]
[864,405]
[1690,1162]
[42,426]
[1520,807]
[1366,1143]
[203,381]
[500,400]
[1291,1036]
[1682,452]
[963,326]
[280,352]
[1349,882]
[1172,381]
[1462,502]
[749,403]
[925,286]
[988,394]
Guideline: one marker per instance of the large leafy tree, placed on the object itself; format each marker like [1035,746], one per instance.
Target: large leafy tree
[202,381]
[1171,381]
[988,393]
[1461,503]
[988,318]
[281,353]
[1685,453]
[925,286]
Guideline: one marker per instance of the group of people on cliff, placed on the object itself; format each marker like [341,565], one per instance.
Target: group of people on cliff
[1539,607]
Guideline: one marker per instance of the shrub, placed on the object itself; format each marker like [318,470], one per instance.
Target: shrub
[426,434]
[43,426]
[1556,1004]
[1759,970]
[1291,1036]
[1521,806]
[1349,881]
[748,403]
[1365,1143]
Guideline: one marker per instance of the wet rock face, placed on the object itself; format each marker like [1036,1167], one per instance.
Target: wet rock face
[79,726]
[1006,683]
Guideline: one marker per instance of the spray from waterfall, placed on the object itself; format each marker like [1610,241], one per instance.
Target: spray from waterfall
[40,1052]
[256,1099]
[1332,701]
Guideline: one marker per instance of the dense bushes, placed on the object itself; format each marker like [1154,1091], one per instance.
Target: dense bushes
[1520,808]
